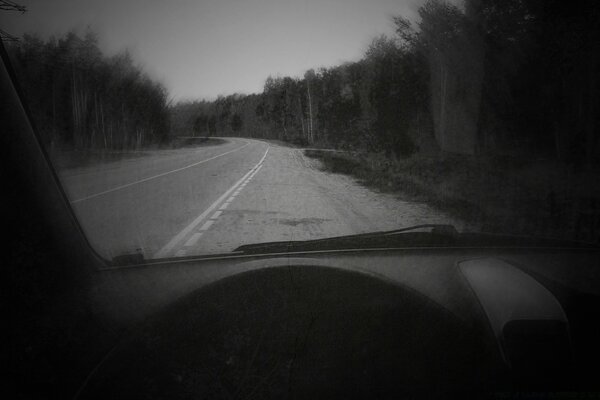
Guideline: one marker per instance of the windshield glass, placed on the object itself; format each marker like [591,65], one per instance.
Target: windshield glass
[197,127]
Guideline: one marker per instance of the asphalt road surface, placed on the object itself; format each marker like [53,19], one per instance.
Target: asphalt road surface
[212,199]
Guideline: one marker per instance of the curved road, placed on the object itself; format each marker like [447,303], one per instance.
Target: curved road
[212,199]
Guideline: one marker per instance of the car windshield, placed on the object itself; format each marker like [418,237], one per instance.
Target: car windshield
[196,127]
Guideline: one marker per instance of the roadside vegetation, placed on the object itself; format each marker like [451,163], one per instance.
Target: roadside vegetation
[80,99]
[496,194]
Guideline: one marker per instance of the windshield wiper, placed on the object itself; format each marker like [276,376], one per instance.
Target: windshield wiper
[425,235]
[437,229]
[417,236]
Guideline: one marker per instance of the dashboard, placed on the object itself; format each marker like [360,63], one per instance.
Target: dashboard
[368,324]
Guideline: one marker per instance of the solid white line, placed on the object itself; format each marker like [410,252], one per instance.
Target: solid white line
[216,215]
[255,172]
[192,241]
[263,157]
[179,237]
[155,176]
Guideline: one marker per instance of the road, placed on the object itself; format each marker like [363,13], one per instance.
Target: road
[213,199]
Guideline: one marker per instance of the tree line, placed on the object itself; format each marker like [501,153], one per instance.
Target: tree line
[490,76]
[80,98]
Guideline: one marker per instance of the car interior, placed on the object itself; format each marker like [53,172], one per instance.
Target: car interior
[371,316]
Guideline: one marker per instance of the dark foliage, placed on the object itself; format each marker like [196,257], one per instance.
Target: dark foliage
[81,99]
[516,77]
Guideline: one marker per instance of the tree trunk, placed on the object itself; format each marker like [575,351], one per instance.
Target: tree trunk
[310,119]
[302,118]
[443,93]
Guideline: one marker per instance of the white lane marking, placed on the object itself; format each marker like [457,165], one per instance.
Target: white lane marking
[229,200]
[180,253]
[181,235]
[217,214]
[192,241]
[207,225]
[155,176]
[225,205]
[255,172]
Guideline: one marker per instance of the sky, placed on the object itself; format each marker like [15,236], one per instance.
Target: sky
[204,48]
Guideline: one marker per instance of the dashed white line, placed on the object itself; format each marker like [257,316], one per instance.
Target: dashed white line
[207,225]
[166,249]
[217,214]
[155,176]
[194,239]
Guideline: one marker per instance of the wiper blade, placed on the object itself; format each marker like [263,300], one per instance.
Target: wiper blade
[420,235]
[417,236]
[436,229]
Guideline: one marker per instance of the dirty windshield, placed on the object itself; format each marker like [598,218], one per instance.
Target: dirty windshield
[195,127]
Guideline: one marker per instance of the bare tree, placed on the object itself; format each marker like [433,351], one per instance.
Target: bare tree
[7,37]
[8,5]
[307,76]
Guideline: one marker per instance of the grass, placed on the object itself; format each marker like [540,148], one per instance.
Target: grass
[497,194]
[69,159]
[64,157]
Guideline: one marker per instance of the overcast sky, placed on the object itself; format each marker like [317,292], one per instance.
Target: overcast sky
[203,48]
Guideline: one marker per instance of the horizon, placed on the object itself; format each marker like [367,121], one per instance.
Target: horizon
[281,38]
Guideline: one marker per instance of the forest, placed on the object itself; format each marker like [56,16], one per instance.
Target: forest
[79,98]
[515,77]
